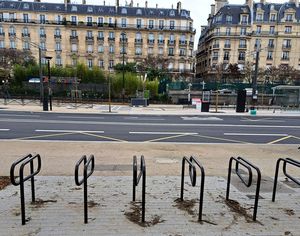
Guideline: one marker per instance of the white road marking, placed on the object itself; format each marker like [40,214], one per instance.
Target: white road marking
[200,118]
[68,131]
[245,134]
[20,115]
[140,118]
[167,133]
[264,120]
[82,117]
[4,129]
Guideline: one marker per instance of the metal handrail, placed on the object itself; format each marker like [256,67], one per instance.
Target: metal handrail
[88,164]
[249,166]
[136,179]
[193,178]
[285,162]
[23,162]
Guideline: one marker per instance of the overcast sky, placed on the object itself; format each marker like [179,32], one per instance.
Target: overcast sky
[199,8]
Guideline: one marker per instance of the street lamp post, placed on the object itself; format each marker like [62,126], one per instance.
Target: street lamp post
[47,91]
[123,67]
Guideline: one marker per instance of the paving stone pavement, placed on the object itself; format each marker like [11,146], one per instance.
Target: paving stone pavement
[59,210]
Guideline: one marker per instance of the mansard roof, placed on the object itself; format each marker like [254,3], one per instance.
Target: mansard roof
[95,9]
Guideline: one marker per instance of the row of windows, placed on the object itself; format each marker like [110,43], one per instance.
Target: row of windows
[100,34]
[99,20]
[285,55]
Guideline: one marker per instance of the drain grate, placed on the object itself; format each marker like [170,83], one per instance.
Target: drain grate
[113,167]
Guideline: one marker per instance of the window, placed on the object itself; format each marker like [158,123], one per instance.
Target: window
[259,17]
[42,19]
[25,31]
[228,31]
[73,33]
[138,36]
[228,19]
[124,22]
[172,13]
[90,63]
[170,66]
[151,36]
[227,43]
[258,29]
[272,30]
[74,20]
[287,43]
[111,35]
[151,24]
[244,19]
[172,24]
[161,24]
[243,31]
[181,67]
[215,56]
[89,34]
[90,9]
[285,55]
[58,19]
[111,64]
[100,21]
[182,52]
[257,43]
[58,46]
[90,48]
[150,50]
[100,34]
[43,45]
[288,30]
[242,56]
[2,44]
[1,30]
[271,43]
[57,32]
[243,43]
[270,55]
[160,51]
[216,43]
[160,38]
[273,17]
[111,49]
[139,12]
[89,20]
[217,30]
[25,18]
[26,45]
[289,17]
[12,44]
[124,11]
[171,51]
[226,56]
[12,30]
[42,32]
[74,61]
[138,23]
[100,49]
[101,63]
[74,8]
[138,51]
[12,16]
[58,61]
[74,47]
[123,50]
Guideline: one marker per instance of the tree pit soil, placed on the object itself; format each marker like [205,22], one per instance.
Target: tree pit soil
[135,216]
[4,181]
[39,203]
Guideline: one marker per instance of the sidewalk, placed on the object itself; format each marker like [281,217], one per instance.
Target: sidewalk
[59,208]
[150,110]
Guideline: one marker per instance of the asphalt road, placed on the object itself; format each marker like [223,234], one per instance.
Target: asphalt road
[126,128]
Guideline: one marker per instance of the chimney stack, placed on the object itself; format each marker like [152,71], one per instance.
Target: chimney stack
[212,9]
[66,3]
[146,4]
[297,3]
[219,4]
[263,1]
[137,5]
[103,3]
[156,5]
[35,1]
[179,7]
[131,3]
[83,2]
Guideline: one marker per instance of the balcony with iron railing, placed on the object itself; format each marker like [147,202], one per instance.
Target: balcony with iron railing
[227,46]
[138,41]
[74,37]
[243,46]
[151,41]
[216,46]
[111,39]
[286,46]
[171,42]
[57,36]
[11,34]
[100,38]
[43,36]
[2,33]
[25,35]
[182,42]
[161,41]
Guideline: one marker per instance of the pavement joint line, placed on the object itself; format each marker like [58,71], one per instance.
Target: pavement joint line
[252,134]
[104,137]
[69,131]
[280,139]
[221,139]
[164,138]
[42,136]
[166,133]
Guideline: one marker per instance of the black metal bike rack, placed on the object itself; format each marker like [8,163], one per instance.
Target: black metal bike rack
[23,162]
[86,164]
[249,166]
[193,177]
[285,162]
[136,180]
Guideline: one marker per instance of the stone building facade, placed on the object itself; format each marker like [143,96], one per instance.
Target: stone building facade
[235,32]
[98,35]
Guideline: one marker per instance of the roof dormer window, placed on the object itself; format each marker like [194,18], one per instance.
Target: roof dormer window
[161,13]
[172,13]
[124,11]
[111,10]
[139,12]
[101,9]
[26,6]
[74,8]
[12,5]
[89,9]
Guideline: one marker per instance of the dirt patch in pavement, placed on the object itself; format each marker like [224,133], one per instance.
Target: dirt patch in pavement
[39,203]
[289,212]
[135,216]
[4,181]
[186,205]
